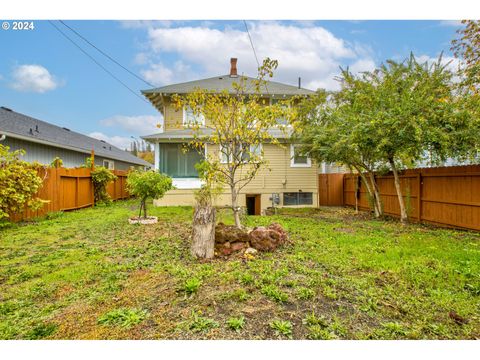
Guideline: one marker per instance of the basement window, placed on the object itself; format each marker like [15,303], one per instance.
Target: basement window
[298,198]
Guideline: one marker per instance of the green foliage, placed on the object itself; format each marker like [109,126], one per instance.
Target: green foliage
[101,176]
[192,285]
[274,293]
[41,331]
[199,323]
[56,162]
[148,184]
[236,323]
[123,317]
[282,328]
[467,48]
[304,293]
[19,182]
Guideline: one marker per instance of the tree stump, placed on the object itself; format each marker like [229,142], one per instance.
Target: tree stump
[203,237]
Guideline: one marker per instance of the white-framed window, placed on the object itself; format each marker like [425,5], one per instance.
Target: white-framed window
[297,159]
[189,117]
[109,164]
[282,121]
[254,149]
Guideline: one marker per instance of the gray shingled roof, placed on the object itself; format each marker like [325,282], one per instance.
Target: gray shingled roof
[22,126]
[185,134]
[224,82]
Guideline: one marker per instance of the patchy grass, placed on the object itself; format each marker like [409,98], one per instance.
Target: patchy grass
[88,274]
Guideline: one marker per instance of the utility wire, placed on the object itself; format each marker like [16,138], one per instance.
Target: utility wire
[96,62]
[105,54]
[251,42]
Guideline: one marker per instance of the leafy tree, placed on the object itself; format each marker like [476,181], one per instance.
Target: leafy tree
[101,176]
[331,130]
[238,123]
[147,184]
[467,47]
[19,182]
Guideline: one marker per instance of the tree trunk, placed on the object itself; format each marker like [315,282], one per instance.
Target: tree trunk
[403,211]
[235,208]
[145,208]
[370,192]
[376,193]
[203,236]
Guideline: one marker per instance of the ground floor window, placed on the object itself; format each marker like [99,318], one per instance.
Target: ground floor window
[298,198]
[178,163]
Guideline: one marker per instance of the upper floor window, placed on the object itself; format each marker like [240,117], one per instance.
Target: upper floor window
[297,159]
[190,118]
[281,120]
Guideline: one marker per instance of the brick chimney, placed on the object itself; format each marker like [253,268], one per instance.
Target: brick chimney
[233,67]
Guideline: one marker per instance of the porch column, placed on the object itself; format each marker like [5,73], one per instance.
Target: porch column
[156,155]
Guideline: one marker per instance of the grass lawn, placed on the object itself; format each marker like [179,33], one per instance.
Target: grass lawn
[88,274]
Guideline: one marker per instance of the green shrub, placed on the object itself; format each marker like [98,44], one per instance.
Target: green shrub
[147,184]
[123,317]
[101,176]
[282,328]
[236,323]
[19,182]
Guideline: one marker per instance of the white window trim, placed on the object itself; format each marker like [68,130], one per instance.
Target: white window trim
[109,162]
[292,158]
[184,121]
[221,154]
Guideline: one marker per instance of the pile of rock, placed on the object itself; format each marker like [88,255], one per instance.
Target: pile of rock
[229,239]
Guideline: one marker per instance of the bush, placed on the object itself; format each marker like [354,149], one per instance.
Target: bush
[101,176]
[148,184]
[19,182]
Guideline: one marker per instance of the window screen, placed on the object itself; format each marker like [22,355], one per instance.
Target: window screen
[298,198]
[177,163]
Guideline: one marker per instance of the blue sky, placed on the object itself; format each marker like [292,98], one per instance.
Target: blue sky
[45,76]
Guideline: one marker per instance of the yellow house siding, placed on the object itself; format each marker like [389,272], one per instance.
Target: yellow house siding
[173,119]
[280,178]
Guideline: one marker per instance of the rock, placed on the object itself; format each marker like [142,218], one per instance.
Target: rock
[229,233]
[237,246]
[251,251]
[267,238]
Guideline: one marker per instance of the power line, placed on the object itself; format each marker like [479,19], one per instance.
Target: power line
[105,54]
[251,42]
[96,62]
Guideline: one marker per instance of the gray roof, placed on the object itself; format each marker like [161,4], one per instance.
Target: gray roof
[185,134]
[21,126]
[224,82]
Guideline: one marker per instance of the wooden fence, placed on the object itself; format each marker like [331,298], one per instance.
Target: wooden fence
[448,196]
[70,189]
[330,189]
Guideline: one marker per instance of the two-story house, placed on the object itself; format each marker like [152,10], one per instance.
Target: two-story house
[291,178]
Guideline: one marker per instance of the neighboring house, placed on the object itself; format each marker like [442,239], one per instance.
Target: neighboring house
[43,142]
[292,176]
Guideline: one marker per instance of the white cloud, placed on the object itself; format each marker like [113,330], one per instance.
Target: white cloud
[312,52]
[121,142]
[136,125]
[452,63]
[33,78]
[454,23]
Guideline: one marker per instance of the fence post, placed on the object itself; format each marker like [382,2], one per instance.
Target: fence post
[419,195]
